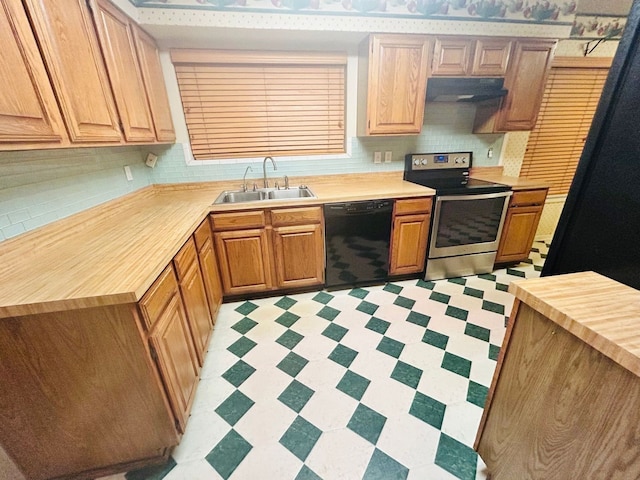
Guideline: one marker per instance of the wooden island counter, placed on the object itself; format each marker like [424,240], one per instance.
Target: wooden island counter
[564,402]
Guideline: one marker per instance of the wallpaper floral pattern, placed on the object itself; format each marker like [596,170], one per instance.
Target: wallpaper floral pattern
[478,10]
[593,26]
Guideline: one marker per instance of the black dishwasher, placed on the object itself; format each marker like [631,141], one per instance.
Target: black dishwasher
[357,241]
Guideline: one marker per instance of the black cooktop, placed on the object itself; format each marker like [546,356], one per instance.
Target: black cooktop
[447,174]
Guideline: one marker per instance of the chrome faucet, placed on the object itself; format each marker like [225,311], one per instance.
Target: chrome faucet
[286,182]
[244,178]
[264,170]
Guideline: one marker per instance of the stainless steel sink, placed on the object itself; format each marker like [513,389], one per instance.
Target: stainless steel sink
[263,194]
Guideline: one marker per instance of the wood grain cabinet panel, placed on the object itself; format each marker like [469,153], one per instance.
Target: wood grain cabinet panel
[152,75]
[395,68]
[452,56]
[244,257]
[209,267]
[116,36]
[194,297]
[299,255]
[491,57]
[67,39]
[409,236]
[520,225]
[28,110]
[172,341]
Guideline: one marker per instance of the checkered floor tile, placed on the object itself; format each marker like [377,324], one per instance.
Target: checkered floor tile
[384,382]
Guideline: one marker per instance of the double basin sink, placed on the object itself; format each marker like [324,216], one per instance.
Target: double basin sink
[264,194]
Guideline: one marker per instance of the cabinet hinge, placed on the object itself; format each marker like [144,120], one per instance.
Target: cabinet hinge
[177,424]
[154,354]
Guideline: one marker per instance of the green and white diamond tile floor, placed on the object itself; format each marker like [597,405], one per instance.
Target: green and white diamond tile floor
[376,383]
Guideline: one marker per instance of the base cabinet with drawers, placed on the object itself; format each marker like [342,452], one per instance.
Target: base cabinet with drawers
[262,250]
[409,236]
[520,225]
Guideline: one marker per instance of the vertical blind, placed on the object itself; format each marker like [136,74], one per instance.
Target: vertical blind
[570,99]
[248,104]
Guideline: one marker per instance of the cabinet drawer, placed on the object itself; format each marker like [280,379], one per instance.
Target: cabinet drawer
[237,220]
[158,296]
[412,205]
[202,234]
[185,258]
[528,197]
[296,216]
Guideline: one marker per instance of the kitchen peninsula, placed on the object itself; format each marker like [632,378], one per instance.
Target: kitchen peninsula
[564,398]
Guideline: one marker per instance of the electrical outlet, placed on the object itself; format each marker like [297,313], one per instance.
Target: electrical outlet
[127,172]
[377,157]
[387,157]
[151,160]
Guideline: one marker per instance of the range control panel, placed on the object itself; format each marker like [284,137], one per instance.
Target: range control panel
[438,161]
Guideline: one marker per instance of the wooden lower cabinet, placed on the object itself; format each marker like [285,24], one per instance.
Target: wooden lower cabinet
[209,267]
[411,220]
[284,248]
[520,225]
[299,255]
[172,343]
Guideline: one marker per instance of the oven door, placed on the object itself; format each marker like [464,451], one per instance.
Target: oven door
[467,224]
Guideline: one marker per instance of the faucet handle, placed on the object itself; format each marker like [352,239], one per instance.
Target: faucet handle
[276,185]
[286,182]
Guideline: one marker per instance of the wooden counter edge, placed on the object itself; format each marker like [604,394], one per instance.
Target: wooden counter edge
[532,293]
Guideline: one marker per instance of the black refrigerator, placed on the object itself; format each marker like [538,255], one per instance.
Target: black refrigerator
[599,227]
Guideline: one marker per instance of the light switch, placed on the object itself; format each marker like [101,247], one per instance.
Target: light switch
[127,172]
[387,157]
[377,157]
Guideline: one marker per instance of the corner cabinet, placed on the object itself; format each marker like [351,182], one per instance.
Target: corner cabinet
[411,221]
[263,250]
[520,225]
[393,70]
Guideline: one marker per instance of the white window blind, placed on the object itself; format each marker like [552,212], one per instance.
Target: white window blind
[248,104]
[569,103]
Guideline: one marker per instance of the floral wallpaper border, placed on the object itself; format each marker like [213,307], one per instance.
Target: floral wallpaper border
[592,27]
[561,12]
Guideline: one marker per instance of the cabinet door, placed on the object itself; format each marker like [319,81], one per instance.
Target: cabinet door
[244,261]
[491,57]
[155,86]
[409,244]
[67,38]
[451,56]
[176,358]
[116,37]
[518,233]
[525,80]
[211,277]
[197,307]
[299,255]
[28,110]
[397,84]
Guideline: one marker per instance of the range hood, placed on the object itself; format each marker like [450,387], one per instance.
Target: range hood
[464,89]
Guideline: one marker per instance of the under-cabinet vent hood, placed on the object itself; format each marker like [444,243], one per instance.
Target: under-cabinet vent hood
[464,89]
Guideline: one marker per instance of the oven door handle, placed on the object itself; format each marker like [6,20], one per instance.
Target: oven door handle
[478,196]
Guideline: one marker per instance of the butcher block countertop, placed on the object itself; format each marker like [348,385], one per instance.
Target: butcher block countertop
[112,253]
[599,311]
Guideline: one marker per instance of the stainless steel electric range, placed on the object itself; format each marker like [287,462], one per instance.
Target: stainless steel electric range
[467,218]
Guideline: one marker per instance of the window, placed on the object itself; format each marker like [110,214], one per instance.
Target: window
[240,104]
[569,103]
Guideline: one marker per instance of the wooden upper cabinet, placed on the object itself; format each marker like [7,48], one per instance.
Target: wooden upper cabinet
[393,98]
[154,84]
[491,57]
[452,56]
[66,35]
[116,36]
[525,80]
[458,56]
[28,110]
